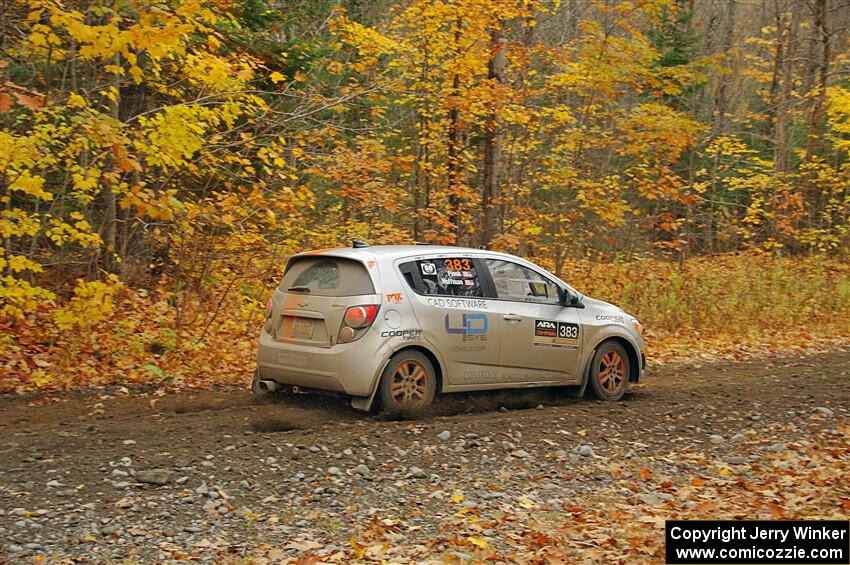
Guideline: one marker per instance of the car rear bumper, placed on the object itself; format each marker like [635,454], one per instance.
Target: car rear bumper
[342,368]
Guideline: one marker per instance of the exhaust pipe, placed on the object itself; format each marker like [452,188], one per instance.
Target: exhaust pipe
[268,386]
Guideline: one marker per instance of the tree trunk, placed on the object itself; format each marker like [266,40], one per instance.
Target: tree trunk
[421,183]
[816,117]
[110,208]
[787,25]
[721,101]
[418,196]
[6,191]
[492,145]
[455,142]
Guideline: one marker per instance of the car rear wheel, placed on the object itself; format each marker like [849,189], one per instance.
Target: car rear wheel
[408,384]
[609,371]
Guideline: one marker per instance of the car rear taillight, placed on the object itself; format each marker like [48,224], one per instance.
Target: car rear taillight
[269,306]
[355,320]
[359,317]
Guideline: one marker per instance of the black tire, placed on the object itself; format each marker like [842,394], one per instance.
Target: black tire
[609,371]
[408,385]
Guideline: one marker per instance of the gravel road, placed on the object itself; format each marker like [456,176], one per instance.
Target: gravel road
[219,476]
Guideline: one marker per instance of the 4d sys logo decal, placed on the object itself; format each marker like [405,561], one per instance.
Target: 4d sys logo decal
[473,327]
[555,334]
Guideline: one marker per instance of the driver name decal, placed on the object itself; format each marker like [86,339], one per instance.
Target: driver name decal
[549,333]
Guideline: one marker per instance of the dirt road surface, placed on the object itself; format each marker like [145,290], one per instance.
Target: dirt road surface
[218,476]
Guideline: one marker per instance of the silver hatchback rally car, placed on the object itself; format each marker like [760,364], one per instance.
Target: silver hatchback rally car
[401,322]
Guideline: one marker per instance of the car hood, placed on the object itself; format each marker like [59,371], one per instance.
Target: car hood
[600,306]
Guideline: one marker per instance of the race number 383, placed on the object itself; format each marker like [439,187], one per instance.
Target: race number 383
[555,334]
[567,330]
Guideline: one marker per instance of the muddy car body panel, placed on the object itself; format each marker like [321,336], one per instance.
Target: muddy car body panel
[483,319]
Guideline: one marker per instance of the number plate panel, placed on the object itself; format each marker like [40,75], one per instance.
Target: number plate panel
[302,328]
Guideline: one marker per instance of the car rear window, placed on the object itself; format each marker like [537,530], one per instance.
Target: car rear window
[446,276]
[328,276]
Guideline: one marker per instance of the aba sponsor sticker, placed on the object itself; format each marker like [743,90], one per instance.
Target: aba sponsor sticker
[429,269]
[550,333]
[545,328]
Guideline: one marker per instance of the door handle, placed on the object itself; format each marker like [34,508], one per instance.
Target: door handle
[512,318]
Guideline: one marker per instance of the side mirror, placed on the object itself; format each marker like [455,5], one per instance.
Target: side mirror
[571,300]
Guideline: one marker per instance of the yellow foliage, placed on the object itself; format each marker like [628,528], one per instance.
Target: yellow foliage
[601,198]
[839,116]
[26,182]
[91,303]
[19,263]
[19,298]
[79,231]
[16,222]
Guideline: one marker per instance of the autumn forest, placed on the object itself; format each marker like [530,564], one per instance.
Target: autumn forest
[160,160]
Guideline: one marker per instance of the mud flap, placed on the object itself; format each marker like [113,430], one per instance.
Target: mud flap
[255,383]
[642,370]
[364,403]
[585,379]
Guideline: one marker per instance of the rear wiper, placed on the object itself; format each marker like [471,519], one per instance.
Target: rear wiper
[299,289]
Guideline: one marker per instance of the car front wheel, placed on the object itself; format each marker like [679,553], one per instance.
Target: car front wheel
[609,371]
[408,385]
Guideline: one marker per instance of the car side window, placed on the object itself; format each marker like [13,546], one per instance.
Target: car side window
[444,276]
[521,284]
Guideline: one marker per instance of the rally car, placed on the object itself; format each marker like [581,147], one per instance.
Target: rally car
[398,323]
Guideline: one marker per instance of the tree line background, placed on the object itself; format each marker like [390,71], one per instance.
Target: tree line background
[159,160]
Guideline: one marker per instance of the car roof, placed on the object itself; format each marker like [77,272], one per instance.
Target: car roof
[396,251]
[392,252]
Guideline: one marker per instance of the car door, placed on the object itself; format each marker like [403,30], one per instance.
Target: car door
[540,338]
[453,314]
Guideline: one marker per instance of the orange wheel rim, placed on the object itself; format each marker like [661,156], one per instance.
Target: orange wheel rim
[409,383]
[612,371]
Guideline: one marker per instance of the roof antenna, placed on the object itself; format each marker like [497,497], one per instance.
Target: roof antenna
[358,244]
